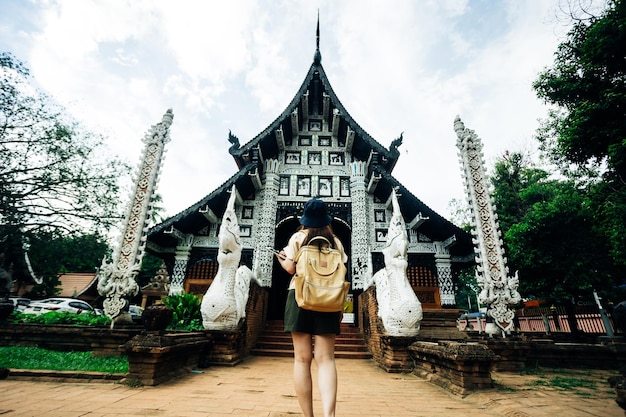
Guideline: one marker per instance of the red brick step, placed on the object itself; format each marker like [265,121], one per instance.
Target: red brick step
[275,342]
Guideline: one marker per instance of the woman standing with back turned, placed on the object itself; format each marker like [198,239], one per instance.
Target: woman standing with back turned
[306,325]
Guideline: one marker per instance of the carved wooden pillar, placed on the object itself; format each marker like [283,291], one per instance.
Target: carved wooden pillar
[361,271]
[181,258]
[264,229]
[444,278]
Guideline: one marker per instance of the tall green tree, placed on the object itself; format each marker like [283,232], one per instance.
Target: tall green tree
[551,236]
[585,133]
[54,174]
[53,253]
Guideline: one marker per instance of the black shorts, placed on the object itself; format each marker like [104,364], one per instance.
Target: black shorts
[306,321]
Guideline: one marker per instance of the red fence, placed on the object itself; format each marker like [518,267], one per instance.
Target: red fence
[588,323]
[544,320]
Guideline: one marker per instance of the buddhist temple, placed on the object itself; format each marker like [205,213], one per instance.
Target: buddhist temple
[314,149]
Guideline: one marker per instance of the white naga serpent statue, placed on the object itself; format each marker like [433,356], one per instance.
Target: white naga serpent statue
[398,306]
[224,303]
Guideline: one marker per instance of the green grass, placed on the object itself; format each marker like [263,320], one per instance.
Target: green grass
[565,382]
[576,381]
[23,357]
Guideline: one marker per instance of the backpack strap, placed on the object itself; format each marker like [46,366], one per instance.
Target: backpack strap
[320,241]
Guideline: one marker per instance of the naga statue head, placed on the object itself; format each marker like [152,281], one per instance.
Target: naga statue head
[397,238]
[229,242]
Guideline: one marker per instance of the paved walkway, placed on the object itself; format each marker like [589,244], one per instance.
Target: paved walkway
[262,386]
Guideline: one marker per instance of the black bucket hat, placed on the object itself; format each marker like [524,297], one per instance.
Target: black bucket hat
[315,214]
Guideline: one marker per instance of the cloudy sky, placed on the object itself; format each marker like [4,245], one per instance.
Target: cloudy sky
[397,66]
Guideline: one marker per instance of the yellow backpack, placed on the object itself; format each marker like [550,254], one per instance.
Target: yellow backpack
[320,278]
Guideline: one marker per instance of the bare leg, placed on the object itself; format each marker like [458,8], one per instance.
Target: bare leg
[303,355]
[326,372]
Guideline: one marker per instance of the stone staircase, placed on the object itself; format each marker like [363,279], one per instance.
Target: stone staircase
[275,342]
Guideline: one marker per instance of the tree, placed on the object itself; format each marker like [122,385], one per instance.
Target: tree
[466,290]
[588,82]
[54,253]
[587,127]
[550,235]
[54,174]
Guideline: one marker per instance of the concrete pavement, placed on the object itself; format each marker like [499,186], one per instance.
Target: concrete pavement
[262,386]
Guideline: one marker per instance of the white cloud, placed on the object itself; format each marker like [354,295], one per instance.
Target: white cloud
[397,66]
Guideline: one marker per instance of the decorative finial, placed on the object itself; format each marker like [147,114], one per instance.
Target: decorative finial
[317,58]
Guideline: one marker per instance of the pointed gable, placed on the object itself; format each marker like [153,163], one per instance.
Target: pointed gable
[315,102]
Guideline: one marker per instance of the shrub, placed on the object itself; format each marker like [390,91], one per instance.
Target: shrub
[186,311]
[55,317]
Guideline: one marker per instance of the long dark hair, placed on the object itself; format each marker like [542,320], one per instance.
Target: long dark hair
[325,231]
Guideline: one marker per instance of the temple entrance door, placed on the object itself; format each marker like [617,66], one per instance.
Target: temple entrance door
[280,278]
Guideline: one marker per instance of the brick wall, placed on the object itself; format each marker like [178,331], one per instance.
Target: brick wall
[390,352]
[103,341]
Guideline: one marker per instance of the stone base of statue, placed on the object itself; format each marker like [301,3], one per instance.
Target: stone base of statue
[440,324]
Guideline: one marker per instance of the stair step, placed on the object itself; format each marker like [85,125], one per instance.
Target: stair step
[275,342]
[289,353]
[263,344]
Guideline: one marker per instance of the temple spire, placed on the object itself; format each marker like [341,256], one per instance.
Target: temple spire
[317,58]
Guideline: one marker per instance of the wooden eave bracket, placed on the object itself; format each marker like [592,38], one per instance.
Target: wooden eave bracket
[208,213]
[294,123]
[374,179]
[305,105]
[256,179]
[417,221]
[370,159]
[175,232]
[326,106]
[336,121]
[449,242]
[349,139]
[261,158]
[280,138]
[158,248]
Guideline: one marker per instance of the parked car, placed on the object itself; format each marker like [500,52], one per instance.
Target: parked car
[20,303]
[69,305]
[477,314]
[135,312]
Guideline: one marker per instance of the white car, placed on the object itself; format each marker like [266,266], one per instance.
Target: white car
[20,303]
[69,305]
[135,312]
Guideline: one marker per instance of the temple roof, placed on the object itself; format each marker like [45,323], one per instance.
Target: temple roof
[195,217]
[314,99]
